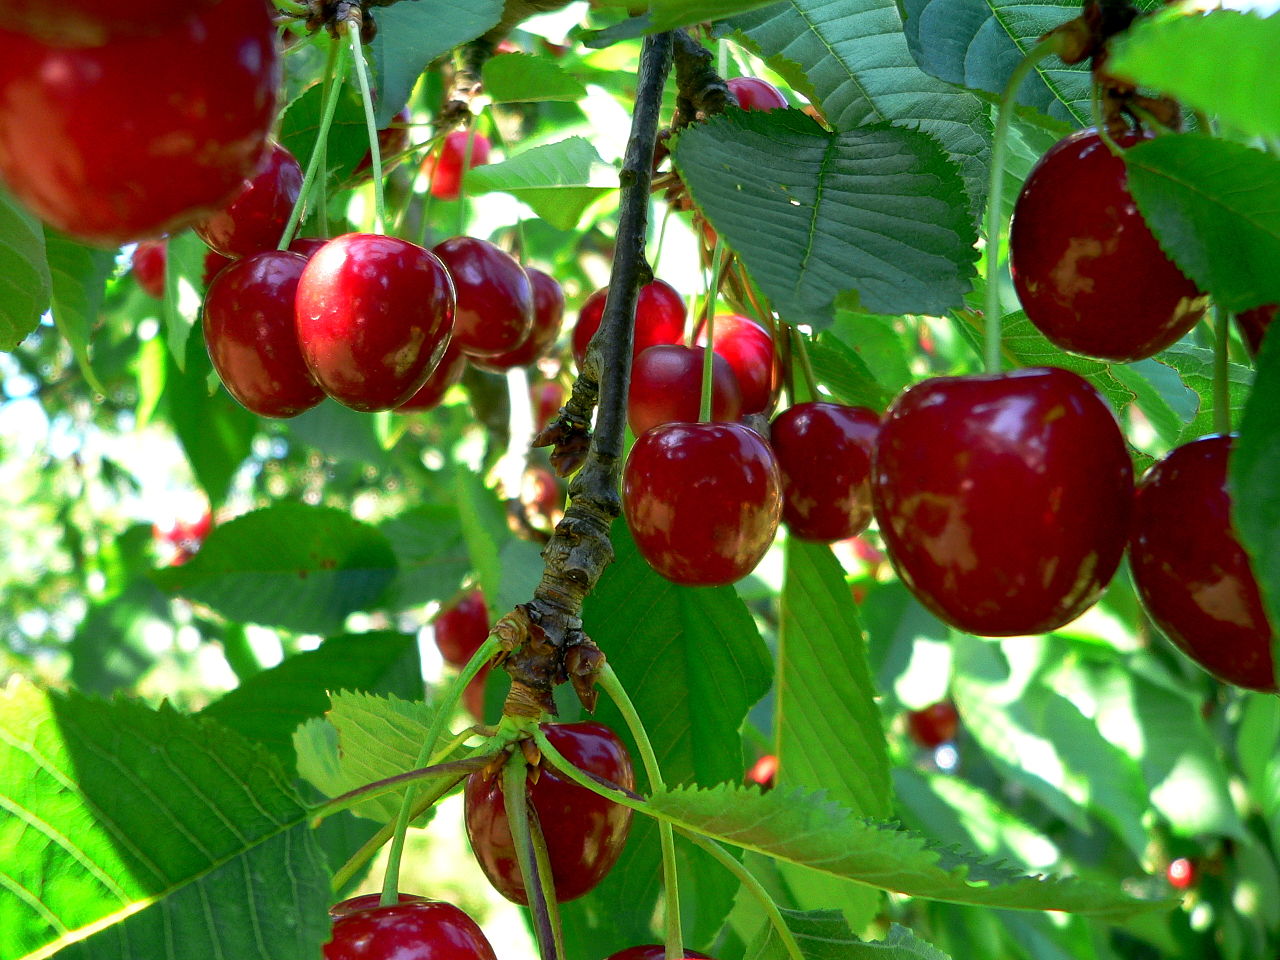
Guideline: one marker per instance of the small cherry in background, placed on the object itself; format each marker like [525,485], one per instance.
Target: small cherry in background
[764,772]
[548,397]
[473,693]
[548,316]
[756,94]
[1253,325]
[445,169]
[934,725]
[494,312]
[1181,873]
[462,628]
[749,349]
[666,386]
[413,929]
[149,260]
[660,318]
[255,218]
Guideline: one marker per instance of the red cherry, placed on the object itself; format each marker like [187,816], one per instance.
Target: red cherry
[749,349]
[824,452]
[764,771]
[548,398]
[548,315]
[462,629]
[585,832]
[541,492]
[473,693]
[654,952]
[1193,576]
[393,141]
[1253,325]
[373,318]
[495,297]
[307,246]
[445,168]
[255,218]
[702,500]
[1181,873]
[756,94]
[935,725]
[249,330]
[1088,271]
[660,316]
[1003,499]
[149,259]
[410,930]
[76,23]
[213,263]
[666,386]
[365,901]
[447,373]
[127,140]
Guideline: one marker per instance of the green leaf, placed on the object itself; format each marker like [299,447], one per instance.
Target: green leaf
[1215,208]
[1258,745]
[1231,76]
[851,58]
[138,833]
[411,35]
[348,136]
[25,284]
[362,739]
[508,569]
[825,935]
[1195,367]
[524,78]
[558,180]
[1255,477]
[431,552]
[267,707]
[803,828]
[291,565]
[79,276]
[845,374]
[183,293]
[668,14]
[879,211]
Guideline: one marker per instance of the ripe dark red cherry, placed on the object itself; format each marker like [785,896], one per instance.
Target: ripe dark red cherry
[307,246]
[585,833]
[1254,323]
[660,316]
[666,386]
[149,260]
[495,297]
[213,264]
[756,94]
[415,929]
[548,315]
[127,140]
[373,316]
[749,349]
[1193,576]
[445,170]
[1088,271]
[654,951]
[76,23]
[447,372]
[255,218]
[462,628]
[824,452]
[547,398]
[1181,873]
[1003,499]
[249,330]
[702,500]
[935,725]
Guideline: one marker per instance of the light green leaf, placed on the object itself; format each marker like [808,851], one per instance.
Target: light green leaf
[25,284]
[183,293]
[1195,367]
[1231,77]
[1255,477]
[129,830]
[508,569]
[432,553]
[524,78]
[290,565]
[348,136]
[79,277]
[846,374]
[558,180]
[825,935]
[1215,208]
[667,14]
[879,212]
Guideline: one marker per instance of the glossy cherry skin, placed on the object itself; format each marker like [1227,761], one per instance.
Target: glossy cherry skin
[127,140]
[249,331]
[702,500]
[373,317]
[824,452]
[462,628]
[1003,499]
[91,23]
[1253,325]
[935,725]
[654,951]
[1193,577]
[1087,269]
[149,260]
[213,264]
[548,315]
[256,217]
[307,246]
[445,168]
[660,316]
[410,930]
[666,386]
[749,349]
[364,902]
[495,297]
[585,833]
[756,94]
[448,372]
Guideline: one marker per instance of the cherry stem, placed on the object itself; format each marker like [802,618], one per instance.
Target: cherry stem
[371,122]
[662,235]
[542,859]
[611,685]
[444,710]
[516,800]
[353,798]
[333,72]
[753,886]
[995,193]
[801,349]
[1221,371]
[709,313]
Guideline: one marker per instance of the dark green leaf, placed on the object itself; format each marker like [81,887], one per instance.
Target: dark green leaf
[508,568]
[666,14]
[846,375]
[523,78]
[432,553]
[290,565]
[25,284]
[79,275]
[825,935]
[558,180]
[1215,208]
[1195,367]
[879,211]
[348,136]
